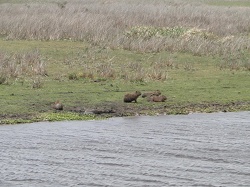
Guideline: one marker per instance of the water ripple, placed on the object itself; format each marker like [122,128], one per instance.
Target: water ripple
[190,150]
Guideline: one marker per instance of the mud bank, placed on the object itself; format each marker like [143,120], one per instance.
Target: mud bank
[113,109]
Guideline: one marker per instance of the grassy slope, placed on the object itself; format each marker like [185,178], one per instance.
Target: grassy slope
[202,82]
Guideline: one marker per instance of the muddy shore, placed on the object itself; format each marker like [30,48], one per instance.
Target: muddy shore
[113,109]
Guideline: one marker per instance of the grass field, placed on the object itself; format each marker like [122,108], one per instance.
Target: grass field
[88,54]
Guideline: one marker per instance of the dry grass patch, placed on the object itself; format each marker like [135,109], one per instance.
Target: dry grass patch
[14,66]
[142,25]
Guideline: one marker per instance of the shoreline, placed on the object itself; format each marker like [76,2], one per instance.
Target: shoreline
[113,109]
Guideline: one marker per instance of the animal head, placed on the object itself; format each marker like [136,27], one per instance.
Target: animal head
[163,97]
[158,92]
[138,93]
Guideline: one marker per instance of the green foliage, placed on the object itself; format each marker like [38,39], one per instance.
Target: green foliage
[62,116]
[148,32]
[73,76]
[15,121]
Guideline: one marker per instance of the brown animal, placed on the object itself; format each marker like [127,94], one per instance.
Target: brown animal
[149,94]
[57,105]
[160,98]
[128,98]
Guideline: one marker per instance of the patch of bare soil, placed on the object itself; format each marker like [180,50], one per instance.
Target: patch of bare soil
[113,109]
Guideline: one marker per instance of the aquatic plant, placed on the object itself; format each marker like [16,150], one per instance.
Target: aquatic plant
[61,116]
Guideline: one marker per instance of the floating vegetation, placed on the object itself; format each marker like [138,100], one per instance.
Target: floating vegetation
[16,121]
[57,116]
[61,116]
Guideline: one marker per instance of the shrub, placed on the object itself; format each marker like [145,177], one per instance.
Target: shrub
[73,76]
[148,32]
[22,64]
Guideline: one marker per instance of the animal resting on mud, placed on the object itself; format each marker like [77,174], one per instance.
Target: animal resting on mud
[130,97]
[57,105]
[154,98]
[149,94]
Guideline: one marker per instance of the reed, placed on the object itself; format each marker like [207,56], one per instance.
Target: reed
[142,25]
[15,66]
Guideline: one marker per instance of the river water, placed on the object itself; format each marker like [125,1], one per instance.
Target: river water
[183,150]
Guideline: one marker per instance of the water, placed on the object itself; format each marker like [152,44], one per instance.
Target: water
[189,150]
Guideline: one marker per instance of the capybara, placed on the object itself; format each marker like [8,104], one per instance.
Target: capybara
[57,105]
[149,94]
[160,98]
[131,97]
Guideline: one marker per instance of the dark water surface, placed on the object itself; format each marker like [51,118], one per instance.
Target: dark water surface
[188,150]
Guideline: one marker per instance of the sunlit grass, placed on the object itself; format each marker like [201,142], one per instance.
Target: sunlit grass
[66,116]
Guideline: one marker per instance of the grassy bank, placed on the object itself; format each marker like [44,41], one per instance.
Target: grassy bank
[191,83]
[199,63]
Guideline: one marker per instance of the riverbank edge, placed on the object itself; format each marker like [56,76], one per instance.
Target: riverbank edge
[113,109]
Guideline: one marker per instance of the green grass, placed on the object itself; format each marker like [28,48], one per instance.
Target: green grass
[195,79]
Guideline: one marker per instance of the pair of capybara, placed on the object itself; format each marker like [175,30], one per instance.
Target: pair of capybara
[154,96]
